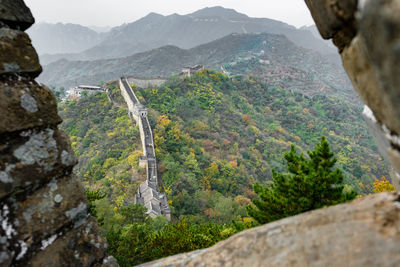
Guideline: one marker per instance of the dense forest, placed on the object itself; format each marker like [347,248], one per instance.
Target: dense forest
[215,137]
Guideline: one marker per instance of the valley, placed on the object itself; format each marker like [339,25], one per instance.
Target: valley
[215,133]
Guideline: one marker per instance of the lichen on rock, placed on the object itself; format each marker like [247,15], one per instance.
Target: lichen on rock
[29,103]
[43,208]
[41,149]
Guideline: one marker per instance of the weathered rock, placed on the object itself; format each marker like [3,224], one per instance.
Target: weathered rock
[52,210]
[365,232]
[16,14]
[361,74]
[25,104]
[43,208]
[17,54]
[60,203]
[377,133]
[332,16]
[380,31]
[82,246]
[394,155]
[29,159]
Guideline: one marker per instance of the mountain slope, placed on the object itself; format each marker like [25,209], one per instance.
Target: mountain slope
[214,137]
[272,57]
[188,31]
[62,38]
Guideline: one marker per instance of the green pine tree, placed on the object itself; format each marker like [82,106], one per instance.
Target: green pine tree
[310,184]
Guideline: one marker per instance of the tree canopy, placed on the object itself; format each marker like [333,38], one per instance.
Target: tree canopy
[311,183]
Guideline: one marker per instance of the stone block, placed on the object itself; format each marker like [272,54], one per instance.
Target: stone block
[31,158]
[82,246]
[365,232]
[331,16]
[60,203]
[25,104]
[364,80]
[377,132]
[394,155]
[15,14]
[31,219]
[17,54]
[380,32]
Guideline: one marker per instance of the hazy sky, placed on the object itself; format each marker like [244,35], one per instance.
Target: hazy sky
[117,12]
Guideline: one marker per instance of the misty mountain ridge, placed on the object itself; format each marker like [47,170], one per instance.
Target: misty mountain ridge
[185,31]
[272,57]
[56,38]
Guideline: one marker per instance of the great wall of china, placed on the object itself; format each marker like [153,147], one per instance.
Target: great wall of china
[148,193]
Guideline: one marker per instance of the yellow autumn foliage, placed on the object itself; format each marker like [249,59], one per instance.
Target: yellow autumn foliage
[383,185]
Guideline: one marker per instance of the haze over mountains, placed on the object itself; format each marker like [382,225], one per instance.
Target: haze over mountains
[154,30]
[63,38]
[218,38]
[269,56]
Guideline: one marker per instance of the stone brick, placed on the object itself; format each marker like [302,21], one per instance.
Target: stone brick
[16,14]
[82,246]
[17,54]
[365,232]
[364,80]
[394,155]
[31,221]
[31,158]
[43,208]
[61,202]
[331,16]
[25,104]
[380,31]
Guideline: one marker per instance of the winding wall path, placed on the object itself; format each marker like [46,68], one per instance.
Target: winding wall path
[148,193]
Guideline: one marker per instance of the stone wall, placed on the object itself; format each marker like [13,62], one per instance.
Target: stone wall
[43,208]
[367,34]
[148,193]
[365,232]
[133,112]
[146,83]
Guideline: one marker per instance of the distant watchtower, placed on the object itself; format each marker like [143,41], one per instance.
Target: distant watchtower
[188,71]
[141,110]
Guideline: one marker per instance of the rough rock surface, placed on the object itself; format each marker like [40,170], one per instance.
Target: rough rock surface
[17,54]
[365,232]
[367,35]
[335,19]
[25,104]
[15,14]
[43,208]
[380,30]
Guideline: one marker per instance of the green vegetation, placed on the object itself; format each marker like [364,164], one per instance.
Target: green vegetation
[311,184]
[106,144]
[215,137]
[140,239]
[243,126]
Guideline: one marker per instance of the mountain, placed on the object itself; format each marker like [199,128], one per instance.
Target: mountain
[214,136]
[62,38]
[188,31]
[314,30]
[100,29]
[272,57]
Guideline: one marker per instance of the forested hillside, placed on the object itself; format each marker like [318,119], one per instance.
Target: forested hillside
[214,137]
[273,57]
